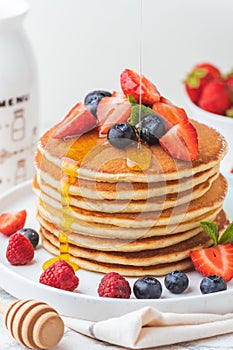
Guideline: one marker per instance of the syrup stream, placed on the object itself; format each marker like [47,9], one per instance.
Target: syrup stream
[139,156]
[140,55]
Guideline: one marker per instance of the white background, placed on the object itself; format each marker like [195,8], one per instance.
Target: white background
[82,45]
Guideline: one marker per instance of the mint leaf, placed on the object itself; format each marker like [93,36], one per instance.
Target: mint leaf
[211,228]
[227,236]
[135,113]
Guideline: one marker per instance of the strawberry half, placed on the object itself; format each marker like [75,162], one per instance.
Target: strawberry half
[216,260]
[130,84]
[11,222]
[172,114]
[112,110]
[78,121]
[181,141]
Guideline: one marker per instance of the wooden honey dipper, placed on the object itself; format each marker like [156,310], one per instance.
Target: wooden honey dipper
[33,323]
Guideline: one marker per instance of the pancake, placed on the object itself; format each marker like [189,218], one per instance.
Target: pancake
[116,244]
[50,174]
[128,206]
[93,158]
[157,270]
[135,263]
[213,199]
[110,231]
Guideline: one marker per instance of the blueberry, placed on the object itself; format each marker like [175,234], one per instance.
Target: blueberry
[93,98]
[31,234]
[121,135]
[147,288]
[152,128]
[212,284]
[176,282]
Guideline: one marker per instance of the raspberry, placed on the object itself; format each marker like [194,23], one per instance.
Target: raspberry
[113,285]
[19,250]
[60,275]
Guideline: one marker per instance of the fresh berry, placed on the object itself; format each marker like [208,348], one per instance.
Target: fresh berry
[212,284]
[112,110]
[31,234]
[172,114]
[176,282]
[216,260]
[78,121]
[11,222]
[215,97]
[200,75]
[151,129]
[147,288]
[19,250]
[60,275]
[181,142]
[141,89]
[121,135]
[93,98]
[113,285]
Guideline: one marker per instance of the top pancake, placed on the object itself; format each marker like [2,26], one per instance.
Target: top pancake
[93,158]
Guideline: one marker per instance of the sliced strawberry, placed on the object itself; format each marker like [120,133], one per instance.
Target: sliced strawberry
[130,84]
[11,222]
[112,110]
[172,114]
[216,260]
[78,121]
[181,141]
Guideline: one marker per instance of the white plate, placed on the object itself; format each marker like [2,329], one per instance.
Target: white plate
[22,281]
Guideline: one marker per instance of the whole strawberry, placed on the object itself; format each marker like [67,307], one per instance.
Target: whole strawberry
[19,250]
[215,97]
[197,79]
[60,275]
[113,285]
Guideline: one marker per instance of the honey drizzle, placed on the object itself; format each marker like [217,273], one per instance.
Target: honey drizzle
[67,178]
[138,157]
[140,56]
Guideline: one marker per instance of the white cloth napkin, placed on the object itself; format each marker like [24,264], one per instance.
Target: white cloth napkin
[148,327]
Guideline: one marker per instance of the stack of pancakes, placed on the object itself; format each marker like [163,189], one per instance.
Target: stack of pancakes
[135,222]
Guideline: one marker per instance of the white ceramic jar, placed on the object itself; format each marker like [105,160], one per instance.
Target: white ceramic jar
[18,97]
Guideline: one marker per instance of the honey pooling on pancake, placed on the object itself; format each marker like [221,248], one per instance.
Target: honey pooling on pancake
[138,157]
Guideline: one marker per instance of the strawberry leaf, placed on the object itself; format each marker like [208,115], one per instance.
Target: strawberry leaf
[193,79]
[211,228]
[227,236]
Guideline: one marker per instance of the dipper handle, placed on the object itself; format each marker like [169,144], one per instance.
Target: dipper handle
[32,323]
